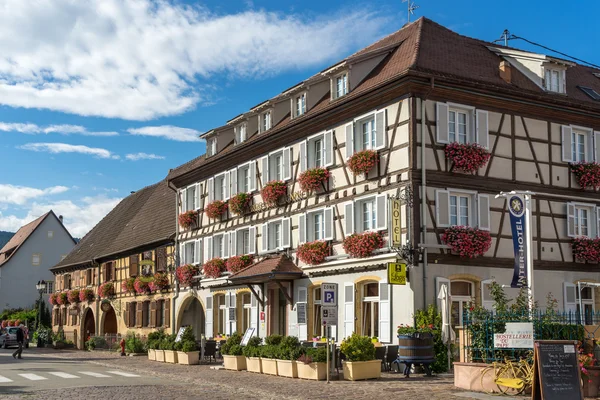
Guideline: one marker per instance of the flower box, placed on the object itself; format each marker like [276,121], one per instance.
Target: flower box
[254,364]
[362,162]
[128,285]
[235,363]
[237,263]
[240,203]
[188,219]
[142,284]
[215,209]
[170,356]
[586,249]
[467,157]
[273,191]
[313,253]
[159,355]
[360,370]
[160,282]
[312,179]
[185,274]
[466,241]
[86,295]
[269,366]
[287,368]
[214,268]
[587,174]
[361,245]
[151,354]
[188,358]
[107,289]
[316,371]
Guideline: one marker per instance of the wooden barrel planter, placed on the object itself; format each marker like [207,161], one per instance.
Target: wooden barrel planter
[415,350]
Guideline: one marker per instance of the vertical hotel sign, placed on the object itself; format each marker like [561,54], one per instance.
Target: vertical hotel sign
[516,208]
[396,231]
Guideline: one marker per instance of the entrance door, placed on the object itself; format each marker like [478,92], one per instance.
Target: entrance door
[89,325]
[110,322]
[461,293]
[282,313]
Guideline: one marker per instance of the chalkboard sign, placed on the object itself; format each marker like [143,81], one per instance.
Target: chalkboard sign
[301,309]
[556,371]
[232,313]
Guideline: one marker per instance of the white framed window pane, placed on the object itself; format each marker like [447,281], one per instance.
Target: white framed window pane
[453,211]
[318,146]
[278,167]
[277,233]
[245,236]
[452,126]
[318,226]
[584,222]
[464,211]
[368,215]
[462,128]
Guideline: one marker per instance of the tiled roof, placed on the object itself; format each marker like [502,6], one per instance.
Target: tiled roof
[19,238]
[142,218]
[275,265]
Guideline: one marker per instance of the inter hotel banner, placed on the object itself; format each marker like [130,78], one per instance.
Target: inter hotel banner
[516,207]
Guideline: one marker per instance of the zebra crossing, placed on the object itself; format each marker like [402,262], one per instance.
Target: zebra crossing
[41,376]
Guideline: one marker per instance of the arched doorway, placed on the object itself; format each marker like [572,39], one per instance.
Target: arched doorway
[192,314]
[110,322]
[89,325]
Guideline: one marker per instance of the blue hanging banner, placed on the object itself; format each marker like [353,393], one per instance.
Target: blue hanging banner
[516,208]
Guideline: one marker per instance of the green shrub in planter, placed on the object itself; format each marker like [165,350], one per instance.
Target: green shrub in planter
[358,348]
[168,343]
[269,351]
[312,354]
[186,346]
[234,340]
[273,340]
[289,348]
[252,349]
[236,350]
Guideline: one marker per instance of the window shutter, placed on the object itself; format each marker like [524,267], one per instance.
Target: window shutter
[348,309]
[286,233]
[302,228]
[183,200]
[139,315]
[570,219]
[133,265]
[483,134]
[301,314]
[385,327]
[198,252]
[328,150]
[227,186]
[264,173]
[380,130]
[570,298]
[442,208]
[287,163]
[232,304]
[127,316]
[209,317]
[82,278]
[483,215]
[567,142]
[232,243]
[198,195]
[439,281]
[226,239]
[182,260]
[597,146]
[208,248]
[167,313]
[227,329]
[328,220]
[233,181]
[144,313]
[264,245]
[487,301]
[252,239]
[382,215]
[303,156]
[349,140]
[254,313]
[441,122]
[211,190]
[252,172]
[349,217]
[153,314]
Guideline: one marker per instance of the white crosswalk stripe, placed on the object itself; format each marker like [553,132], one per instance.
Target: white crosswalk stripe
[127,374]
[5,380]
[63,375]
[94,374]
[33,377]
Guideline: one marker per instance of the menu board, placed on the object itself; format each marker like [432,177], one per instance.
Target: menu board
[556,371]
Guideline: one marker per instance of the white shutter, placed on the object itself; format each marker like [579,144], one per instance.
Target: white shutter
[227,329]
[328,150]
[349,217]
[252,172]
[233,304]
[597,146]
[254,312]
[233,244]
[439,281]
[385,335]
[264,173]
[349,140]
[348,309]
[252,239]
[183,200]
[380,130]
[208,331]
[225,239]
[286,233]
[198,195]
[441,122]
[328,222]
[287,163]
[483,134]
[264,238]
[227,187]
[211,190]
[382,215]
[571,219]
[567,142]
[302,321]
[181,255]
[483,211]
[303,166]
[598,222]
[233,181]
[302,228]
[570,298]
[198,252]
[487,301]
[442,208]
[208,248]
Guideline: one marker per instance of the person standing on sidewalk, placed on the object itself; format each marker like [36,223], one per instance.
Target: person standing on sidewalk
[20,338]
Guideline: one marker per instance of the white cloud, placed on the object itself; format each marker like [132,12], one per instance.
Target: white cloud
[19,195]
[56,148]
[168,132]
[32,129]
[143,156]
[149,58]
[78,218]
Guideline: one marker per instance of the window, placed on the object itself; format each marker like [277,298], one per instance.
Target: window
[240,133]
[581,219]
[276,235]
[222,313]
[553,80]
[459,210]
[300,105]
[36,259]
[317,321]
[587,303]
[317,151]
[366,214]
[462,208]
[578,141]
[219,187]
[211,147]
[370,309]
[463,124]
[220,246]
[265,121]
[88,277]
[50,234]
[160,313]
[367,132]
[191,197]
[246,310]
[244,179]
[49,287]
[458,126]
[316,225]
[461,292]
[578,144]
[581,222]
[109,269]
[277,165]
[146,314]
[243,241]
[189,252]
[341,86]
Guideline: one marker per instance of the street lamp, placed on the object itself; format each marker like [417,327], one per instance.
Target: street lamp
[41,288]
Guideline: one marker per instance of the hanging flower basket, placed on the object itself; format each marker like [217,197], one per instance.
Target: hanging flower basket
[238,263]
[586,249]
[127,286]
[107,289]
[142,284]
[587,174]
[215,209]
[240,203]
[52,299]
[185,274]
[361,245]
[313,253]
[467,157]
[313,179]
[86,295]
[73,296]
[62,298]
[188,219]
[160,282]
[273,191]
[214,268]
[362,162]
[4,323]
[467,242]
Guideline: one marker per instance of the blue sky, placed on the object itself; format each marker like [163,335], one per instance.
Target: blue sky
[97,96]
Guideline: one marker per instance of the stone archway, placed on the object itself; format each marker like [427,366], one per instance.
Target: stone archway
[192,313]
[89,325]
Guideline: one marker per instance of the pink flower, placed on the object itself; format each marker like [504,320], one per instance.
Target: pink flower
[466,241]
[273,191]
[312,179]
[313,253]
[238,263]
[215,209]
[188,219]
[363,161]
[467,157]
[239,203]
[361,245]
[185,274]
[587,174]
[214,268]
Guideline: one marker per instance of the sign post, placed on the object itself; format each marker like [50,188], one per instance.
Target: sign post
[329,315]
[396,227]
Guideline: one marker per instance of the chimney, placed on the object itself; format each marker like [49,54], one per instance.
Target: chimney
[60,218]
[505,71]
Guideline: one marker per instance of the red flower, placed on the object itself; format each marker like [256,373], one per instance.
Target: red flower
[240,203]
[185,274]
[363,161]
[467,157]
[142,284]
[587,174]
[53,299]
[238,263]
[86,294]
[467,242]
[312,179]
[361,245]
[127,285]
[73,296]
[214,268]
[159,282]
[188,219]
[586,249]
[273,191]
[107,289]
[313,253]
[215,209]
[62,298]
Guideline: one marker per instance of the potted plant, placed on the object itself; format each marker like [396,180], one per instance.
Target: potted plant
[313,179]
[187,352]
[214,268]
[160,282]
[419,338]
[466,241]
[73,296]
[127,286]
[289,352]
[159,352]
[361,245]
[107,289]
[313,364]
[313,253]
[362,162]
[273,191]
[185,274]
[233,358]
[52,299]
[269,353]
[188,219]
[587,174]
[252,353]
[360,358]
[586,249]
[134,344]
[62,298]
[238,263]
[154,339]
[240,203]
[86,295]
[215,209]
[168,345]
[142,284]
[467,157]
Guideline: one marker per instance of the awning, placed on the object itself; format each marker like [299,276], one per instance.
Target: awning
[274,269]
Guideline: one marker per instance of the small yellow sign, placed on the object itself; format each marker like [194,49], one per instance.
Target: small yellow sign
[396,274]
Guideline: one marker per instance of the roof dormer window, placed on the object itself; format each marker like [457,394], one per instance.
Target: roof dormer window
[299,105]
[240,133]
[554,80]
[339,86]
[265,121]
[211,147]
